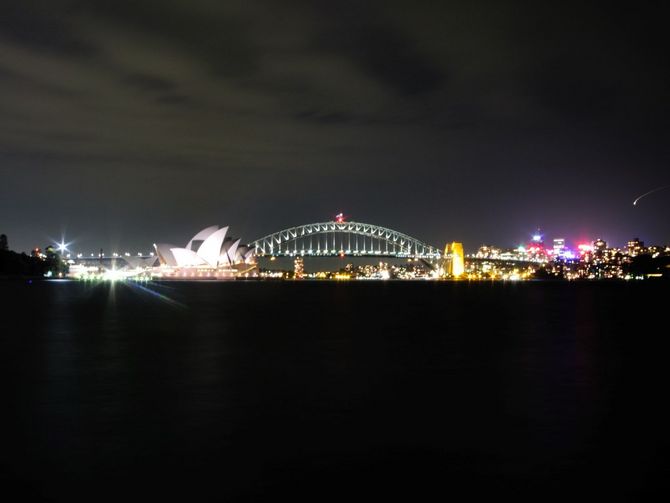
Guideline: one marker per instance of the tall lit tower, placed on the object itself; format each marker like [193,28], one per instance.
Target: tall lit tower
[538,240]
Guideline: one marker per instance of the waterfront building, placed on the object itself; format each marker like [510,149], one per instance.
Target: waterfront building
[209,254]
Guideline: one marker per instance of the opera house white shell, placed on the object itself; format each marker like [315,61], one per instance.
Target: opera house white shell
[209,249]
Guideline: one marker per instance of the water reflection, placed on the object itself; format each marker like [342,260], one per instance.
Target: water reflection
[244,388]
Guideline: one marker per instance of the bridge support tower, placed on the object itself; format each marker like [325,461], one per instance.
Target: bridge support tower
[454,263]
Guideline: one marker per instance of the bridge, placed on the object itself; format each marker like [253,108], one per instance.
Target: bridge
[340,238]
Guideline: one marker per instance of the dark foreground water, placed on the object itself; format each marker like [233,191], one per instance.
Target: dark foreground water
[335,391]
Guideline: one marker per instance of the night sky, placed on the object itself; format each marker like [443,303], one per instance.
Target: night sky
[127,122]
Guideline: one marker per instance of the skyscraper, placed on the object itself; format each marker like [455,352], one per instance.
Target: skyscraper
[559,247]
[635,247]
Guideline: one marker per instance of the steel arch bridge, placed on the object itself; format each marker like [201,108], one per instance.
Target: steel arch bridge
[330,239]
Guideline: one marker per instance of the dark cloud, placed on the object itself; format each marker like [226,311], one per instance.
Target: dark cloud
[43,25]
[150,83]
[325,117]
[361,33]
[448,120]
[204,30]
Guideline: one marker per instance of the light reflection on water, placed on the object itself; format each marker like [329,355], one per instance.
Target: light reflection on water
[251,388]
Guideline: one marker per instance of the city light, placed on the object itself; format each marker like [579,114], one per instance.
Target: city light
[404,258]
[62,247]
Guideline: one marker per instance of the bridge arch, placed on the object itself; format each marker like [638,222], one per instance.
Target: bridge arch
[329,239]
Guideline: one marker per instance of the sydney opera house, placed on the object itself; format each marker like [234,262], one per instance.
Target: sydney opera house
[209,254]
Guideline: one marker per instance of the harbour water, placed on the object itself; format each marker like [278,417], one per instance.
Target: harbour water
[319,391]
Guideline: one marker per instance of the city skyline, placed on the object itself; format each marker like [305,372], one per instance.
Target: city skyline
[371,253]
[468,121]
[74,246]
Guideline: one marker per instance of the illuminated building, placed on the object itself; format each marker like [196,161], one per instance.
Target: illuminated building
[537,240]
[635,247]
[599,247]
[559,246]
[208,254]
[535,250]
[298,268]
[209,248]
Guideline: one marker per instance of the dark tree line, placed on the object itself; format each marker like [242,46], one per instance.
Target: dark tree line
[646,264]
[14,264]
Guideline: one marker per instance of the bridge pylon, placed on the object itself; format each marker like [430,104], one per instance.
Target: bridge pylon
[454,260]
